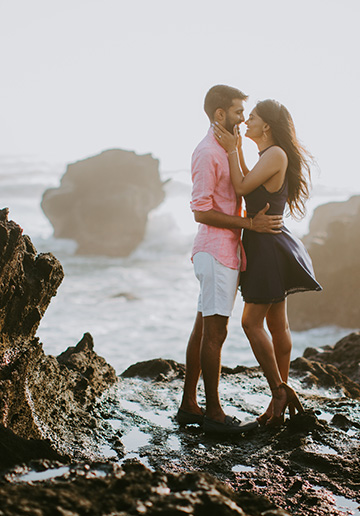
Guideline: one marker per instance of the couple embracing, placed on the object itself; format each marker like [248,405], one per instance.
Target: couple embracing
[267,264]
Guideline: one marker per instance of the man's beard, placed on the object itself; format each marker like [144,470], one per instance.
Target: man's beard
[229,127]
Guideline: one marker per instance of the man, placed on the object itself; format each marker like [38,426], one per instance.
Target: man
[217,258]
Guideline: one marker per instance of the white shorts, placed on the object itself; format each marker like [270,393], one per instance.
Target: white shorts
[218,285]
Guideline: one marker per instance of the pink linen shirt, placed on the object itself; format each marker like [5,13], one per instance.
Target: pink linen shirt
[213,190]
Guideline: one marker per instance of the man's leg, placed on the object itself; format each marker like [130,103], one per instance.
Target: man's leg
[218,285]
[214,335]
[193,368]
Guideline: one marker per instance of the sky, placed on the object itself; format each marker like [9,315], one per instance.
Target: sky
[82,76]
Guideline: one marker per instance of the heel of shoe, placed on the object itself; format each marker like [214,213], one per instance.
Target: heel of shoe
[278,420]
[262,420]
[292,402]
[292,410]
[292,399]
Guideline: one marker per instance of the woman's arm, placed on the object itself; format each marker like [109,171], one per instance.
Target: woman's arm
[243,166]
[274,161]
[271,163]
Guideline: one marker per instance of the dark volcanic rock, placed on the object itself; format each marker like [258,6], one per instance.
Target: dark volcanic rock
[325,375]
[131,490]
[301,467]
[158,369]
[331,367]
[27,283]
[334,245]
[103,202]
[42,397]
[344,355]
[17,450]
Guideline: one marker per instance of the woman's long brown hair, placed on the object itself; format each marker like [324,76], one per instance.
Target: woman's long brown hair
[298,171]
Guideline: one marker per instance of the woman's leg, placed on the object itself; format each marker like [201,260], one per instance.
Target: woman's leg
[263,349]
[277,322]
[261,344]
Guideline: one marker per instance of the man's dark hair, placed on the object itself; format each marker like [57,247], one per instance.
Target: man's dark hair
[221,96]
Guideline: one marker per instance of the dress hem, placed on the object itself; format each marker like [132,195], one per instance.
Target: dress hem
[258,301]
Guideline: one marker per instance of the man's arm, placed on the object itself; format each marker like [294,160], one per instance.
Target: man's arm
[261,223]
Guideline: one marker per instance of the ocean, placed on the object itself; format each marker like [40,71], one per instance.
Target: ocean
[143,306]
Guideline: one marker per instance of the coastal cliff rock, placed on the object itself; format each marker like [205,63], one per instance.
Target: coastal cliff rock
[41,397]
[103,202]
[334,245]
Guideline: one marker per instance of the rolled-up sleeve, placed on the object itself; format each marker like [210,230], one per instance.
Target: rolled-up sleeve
[203,171]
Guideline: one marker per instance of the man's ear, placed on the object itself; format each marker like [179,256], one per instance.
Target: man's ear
[219,115]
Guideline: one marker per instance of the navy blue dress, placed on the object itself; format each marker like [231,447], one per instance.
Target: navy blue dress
[277,264]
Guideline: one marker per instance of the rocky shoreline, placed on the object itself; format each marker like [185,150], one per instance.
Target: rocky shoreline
[75,439]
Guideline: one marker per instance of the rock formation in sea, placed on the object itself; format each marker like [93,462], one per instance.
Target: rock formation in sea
[103,202]
[75,439]
[41,397]
[334,245]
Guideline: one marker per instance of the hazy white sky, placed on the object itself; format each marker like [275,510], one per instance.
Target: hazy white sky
[82,76]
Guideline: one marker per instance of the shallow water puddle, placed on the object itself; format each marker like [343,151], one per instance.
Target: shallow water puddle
[345,505]
[240,468]
[107,451]
[115,423]
[38,476]
[163,420]
[135,439]
[323,450]
[319,449]
[174,443]
[325,415]
[351,432]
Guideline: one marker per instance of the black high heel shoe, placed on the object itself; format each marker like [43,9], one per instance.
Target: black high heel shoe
[263,418]
[291,400]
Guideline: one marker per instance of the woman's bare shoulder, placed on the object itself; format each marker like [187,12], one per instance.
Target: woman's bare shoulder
[275,150]
[276,153]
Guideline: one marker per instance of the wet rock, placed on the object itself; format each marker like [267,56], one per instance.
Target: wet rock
[325,375]
[103,202]
[42,397]
[131,490]
[158,369]
[310,466]
[300,468]
[94,373]
[334,245]
[344,355]
[17,450]
[28,281]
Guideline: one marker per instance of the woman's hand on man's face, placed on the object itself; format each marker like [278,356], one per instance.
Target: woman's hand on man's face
[228,141]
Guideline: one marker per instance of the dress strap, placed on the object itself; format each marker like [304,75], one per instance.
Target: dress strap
[264,150]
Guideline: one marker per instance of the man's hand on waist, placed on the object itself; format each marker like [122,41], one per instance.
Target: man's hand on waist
[263,223]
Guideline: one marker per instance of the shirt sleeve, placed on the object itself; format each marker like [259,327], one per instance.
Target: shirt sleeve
[203,172]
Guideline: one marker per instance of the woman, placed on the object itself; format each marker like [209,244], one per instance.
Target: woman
[277,264]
